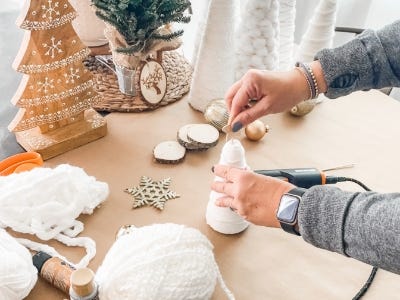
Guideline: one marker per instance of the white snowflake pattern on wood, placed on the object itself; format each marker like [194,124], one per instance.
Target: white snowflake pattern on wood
[72,75]
[46,85]
[52,48]
[50,10]
[153,193]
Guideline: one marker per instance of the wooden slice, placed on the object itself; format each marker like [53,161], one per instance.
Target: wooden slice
[169,152]
[182,138]
[204,135]
[151,82]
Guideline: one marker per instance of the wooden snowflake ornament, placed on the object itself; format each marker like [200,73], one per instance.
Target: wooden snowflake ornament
[151,82]
[152,193]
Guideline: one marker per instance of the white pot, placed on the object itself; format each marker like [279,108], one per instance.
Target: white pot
[87,25]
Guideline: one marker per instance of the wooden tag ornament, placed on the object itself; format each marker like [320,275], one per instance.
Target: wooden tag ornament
[56,93]
[151,82]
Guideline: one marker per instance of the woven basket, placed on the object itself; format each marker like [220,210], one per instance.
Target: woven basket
[179,76]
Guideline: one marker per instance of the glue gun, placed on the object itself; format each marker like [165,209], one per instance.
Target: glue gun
[302,177]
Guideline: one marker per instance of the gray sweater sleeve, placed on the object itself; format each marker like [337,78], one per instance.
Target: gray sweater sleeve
[369,61]
[365,226]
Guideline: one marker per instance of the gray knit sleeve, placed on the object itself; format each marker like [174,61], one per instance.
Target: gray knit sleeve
[365,226]
[369,61]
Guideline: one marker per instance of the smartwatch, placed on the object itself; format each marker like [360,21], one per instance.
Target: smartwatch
[288,208]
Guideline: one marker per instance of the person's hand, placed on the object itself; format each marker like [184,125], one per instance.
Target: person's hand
[273,92]
[253,196]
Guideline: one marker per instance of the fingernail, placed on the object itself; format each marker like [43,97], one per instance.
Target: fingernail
[212,169]
[237,126]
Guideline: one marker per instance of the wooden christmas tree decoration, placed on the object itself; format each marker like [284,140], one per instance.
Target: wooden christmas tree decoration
[56,93]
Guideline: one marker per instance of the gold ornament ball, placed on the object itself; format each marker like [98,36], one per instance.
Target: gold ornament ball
[303,108]
[255,131]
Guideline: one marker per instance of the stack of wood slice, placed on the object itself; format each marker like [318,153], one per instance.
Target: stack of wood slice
[191,137]
[198,137]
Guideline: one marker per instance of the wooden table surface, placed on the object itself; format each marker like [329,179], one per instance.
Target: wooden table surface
[260,263]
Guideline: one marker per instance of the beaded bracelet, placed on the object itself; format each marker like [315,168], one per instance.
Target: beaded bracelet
[308,82]
[311,80]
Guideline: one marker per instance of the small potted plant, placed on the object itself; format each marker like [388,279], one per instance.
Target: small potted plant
[139,29]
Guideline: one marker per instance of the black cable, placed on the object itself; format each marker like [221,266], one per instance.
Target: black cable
[367,284]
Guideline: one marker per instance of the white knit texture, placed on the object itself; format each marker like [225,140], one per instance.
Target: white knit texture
[287,15]
[161,261]
[46,202]
[257,37]
[320,31]
[17,273]
[224,219]
[213,71]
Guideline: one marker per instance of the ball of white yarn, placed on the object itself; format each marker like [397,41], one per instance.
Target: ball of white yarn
[17,273]
[161,261]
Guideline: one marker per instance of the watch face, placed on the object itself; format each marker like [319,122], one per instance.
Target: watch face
[287,210]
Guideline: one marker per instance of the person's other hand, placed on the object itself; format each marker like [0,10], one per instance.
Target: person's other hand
[273,92]
[253,196]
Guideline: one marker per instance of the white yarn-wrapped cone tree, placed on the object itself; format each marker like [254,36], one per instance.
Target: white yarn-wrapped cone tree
[214,68]
[257,37]
[224,219]
[287,16]
[320,31]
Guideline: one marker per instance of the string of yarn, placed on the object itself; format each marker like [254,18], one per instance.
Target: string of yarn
[46,202]
[320,31]
[287,14]
[17,273]
[161,261]
[224,219]
[257,37]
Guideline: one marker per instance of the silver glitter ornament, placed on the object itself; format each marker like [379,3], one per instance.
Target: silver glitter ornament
[216,113]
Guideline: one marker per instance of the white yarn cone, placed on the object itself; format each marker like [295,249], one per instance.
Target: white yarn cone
[224,219]
[287,16]
[320,31]
[161,261]
[17,273]
[257,37]
[214,71]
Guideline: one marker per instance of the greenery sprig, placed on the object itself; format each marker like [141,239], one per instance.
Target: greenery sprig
[139,21]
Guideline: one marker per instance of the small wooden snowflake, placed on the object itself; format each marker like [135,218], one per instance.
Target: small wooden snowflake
[153,193]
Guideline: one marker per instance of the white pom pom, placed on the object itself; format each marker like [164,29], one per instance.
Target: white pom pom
[162,261]
[17,273]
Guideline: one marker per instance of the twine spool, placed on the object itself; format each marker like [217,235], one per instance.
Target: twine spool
[17,273]
[161,261]
[224,219]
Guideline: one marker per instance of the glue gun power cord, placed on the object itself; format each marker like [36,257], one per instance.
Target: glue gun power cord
[367,284]
[308,177]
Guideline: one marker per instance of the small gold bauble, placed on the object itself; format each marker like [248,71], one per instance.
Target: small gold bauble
[255,131]
[303,108]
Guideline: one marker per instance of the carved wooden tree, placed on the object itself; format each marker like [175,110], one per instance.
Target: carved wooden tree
[56,93]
